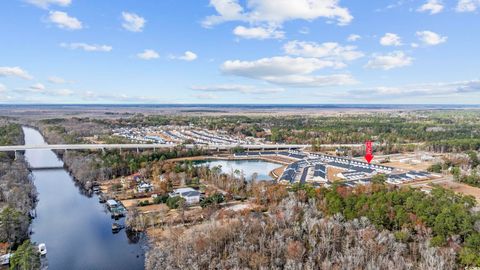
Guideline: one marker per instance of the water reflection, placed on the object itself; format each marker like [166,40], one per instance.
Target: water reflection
[249,167]
[75,227]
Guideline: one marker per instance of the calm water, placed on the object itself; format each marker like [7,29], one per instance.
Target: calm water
[75,228]
[249,167]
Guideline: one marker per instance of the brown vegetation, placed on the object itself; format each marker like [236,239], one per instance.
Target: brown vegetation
[294,235]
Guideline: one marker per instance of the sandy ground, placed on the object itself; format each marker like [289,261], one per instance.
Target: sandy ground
[278,171]
[448,183]
[278,159]
[154,208]
[462,188]
[133,202]
[331,172]
[422,166]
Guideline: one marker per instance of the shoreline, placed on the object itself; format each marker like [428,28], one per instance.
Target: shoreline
[275,173]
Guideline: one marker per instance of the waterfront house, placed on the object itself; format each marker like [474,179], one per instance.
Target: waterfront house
[190,195]
[144,187]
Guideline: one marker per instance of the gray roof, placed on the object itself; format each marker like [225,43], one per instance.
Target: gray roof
[190,194]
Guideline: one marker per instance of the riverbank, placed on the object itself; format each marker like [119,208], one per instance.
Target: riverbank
[18,195]
[71,223]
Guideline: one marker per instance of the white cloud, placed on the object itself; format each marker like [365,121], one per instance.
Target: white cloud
[258,33]
[427,90]
[205,96]
[46,3]
[5,98]
[286,70]
[15,71]
[38,87]
[391,39]
[87,47]
[124,98]
[429,38]
[329,50]
[64,21]
[275,66]
[389,61]
[239,88]
[187,56]
[148,55]
[3,88]
[313,80]
[276,12]
[56,80]
[394,5]
[353,37]
[432,6]
[467,5]
[304,31]
[133,22]
[62,92]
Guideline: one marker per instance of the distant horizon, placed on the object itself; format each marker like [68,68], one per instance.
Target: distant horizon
[245,104]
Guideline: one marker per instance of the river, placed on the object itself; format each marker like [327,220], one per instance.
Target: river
[76,228]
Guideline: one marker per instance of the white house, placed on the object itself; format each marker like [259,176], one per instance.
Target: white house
[190,195]
[144,187]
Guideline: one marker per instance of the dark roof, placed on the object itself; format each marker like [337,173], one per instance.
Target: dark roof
[190,194]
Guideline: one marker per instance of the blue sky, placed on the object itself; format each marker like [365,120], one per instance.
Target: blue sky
[239,51]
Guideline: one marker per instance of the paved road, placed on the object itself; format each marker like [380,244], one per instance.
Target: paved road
[12,148]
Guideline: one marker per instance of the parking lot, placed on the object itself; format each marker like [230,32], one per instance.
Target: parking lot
[315,168]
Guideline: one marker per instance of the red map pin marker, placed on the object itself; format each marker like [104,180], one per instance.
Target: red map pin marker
[368,151]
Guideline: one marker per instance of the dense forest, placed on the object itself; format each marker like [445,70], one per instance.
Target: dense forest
[302,227]
[441,131]
[89,166]
[338,228]
[18,194]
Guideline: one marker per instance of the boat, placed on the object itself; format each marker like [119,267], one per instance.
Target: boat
[116,227]
[5,259]
[102,199]
[42,249]
[116,214]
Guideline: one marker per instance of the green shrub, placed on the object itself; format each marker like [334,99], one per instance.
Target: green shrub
[216,198]
[174,202]
[436,168]
[160,199]
[25,257]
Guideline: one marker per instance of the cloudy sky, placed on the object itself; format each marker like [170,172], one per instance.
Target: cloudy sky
[239,51]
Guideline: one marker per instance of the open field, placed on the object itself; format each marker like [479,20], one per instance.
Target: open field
[462,188]
[423,166]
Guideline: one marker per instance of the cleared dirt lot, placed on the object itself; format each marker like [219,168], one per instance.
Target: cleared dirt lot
[422,166]
[332,174]
[462,188]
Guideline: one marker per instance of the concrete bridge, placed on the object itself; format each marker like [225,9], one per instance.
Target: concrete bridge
[14,148]
[46,168]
